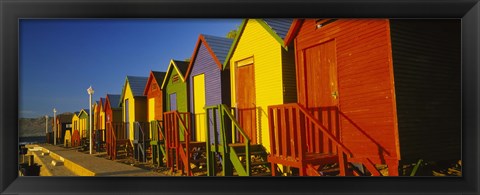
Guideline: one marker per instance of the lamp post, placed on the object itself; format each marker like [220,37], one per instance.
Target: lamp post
[46,128]
[90,93]
[54,126]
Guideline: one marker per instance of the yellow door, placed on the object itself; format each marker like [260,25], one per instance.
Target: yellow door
[198,104]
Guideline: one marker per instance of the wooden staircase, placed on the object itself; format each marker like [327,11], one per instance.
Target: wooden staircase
[233,145]
[183,153]
[298,140]
[117,143]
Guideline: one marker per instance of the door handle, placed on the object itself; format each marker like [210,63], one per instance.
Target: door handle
[334,95]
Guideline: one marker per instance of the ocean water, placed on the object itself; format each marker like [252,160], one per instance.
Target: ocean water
[31,140]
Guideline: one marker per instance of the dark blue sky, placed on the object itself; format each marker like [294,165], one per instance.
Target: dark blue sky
[60,59]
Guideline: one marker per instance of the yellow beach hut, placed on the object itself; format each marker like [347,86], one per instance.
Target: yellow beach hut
[262,73]
[134,109]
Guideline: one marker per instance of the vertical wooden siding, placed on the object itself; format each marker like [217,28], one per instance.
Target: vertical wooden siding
[364,82]
[427,65]
[205,64]
[256,42]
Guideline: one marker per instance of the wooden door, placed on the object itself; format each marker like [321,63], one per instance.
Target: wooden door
[173,101]
[322,93]
[245,81]
[198,104]
[127,119]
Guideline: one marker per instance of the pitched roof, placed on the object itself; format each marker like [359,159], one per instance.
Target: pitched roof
[182,66]
[217,46]
[277,27]
[65,118]
[158,76]
[179,66]
[114,100]
[86,111]
[137,84]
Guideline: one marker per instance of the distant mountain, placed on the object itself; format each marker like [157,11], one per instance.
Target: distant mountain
[30,127]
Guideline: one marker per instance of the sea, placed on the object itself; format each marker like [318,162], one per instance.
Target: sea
[31,140]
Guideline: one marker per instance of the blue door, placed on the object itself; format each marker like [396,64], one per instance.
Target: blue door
[173,101]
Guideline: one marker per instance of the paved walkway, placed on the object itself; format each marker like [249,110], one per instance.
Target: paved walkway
[82,164]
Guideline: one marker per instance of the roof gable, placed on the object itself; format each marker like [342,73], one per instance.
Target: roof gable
[218,48]
[176,65]
[83,112]
[137,84]
[113,100]
[154,75]
[276,27]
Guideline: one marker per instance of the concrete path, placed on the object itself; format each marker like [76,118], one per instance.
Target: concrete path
[81,164]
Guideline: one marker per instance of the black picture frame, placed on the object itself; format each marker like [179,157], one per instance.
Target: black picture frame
[11,11]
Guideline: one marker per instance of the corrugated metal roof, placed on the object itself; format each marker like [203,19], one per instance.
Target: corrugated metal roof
[279,25]
[137,84]
[159,76]
[182,66]
[114,100]
[219,45]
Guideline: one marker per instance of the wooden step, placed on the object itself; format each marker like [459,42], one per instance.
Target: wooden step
[320,158]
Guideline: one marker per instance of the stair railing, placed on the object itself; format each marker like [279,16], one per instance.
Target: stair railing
[223,111]
[139,136]
[177,123]
[161,130]
[293,144]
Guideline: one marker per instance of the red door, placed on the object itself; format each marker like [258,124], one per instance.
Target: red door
[322,93]
[246,100]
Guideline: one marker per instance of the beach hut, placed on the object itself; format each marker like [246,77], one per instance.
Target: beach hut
[75,134]
[116,139]
[155,96]
[262,73]
[96,113]
[155,100]
[134,108]
[99,123]
[177,119]
[209,85]
[64,123]
[83,126]
[371,92]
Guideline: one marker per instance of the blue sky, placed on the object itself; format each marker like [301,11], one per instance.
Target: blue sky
[60,58]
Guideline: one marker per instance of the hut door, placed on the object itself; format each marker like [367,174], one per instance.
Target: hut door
[173,101]
[245,80]
[322,93]
[198,104]
[127,119]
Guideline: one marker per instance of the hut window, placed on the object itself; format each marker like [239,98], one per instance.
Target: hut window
[154,87]
[68,126]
